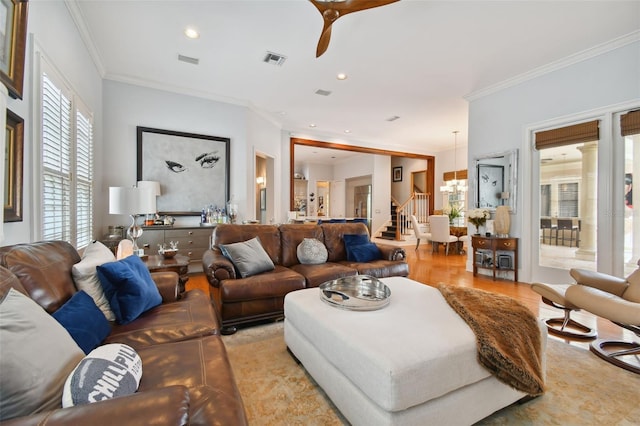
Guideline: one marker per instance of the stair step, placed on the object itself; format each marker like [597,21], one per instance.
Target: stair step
[385,237]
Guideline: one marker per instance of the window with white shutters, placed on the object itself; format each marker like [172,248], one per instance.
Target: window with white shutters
[67,165]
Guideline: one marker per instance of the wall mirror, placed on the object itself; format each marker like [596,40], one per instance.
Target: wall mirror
[496,180]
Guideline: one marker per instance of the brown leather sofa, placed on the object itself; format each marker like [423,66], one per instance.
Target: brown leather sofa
[186,375]
[243,300]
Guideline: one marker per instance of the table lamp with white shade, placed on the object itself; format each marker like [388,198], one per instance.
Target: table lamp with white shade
[154,186]
[132,201]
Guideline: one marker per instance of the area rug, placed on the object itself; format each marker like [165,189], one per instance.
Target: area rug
[581,388]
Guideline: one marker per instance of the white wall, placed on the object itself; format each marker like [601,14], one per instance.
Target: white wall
[498,120]
[127,106]
[52,29]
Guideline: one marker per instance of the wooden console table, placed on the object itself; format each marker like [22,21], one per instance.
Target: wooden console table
[178,264]
[495,253]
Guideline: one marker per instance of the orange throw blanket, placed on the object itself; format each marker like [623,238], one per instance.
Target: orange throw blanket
[507,334]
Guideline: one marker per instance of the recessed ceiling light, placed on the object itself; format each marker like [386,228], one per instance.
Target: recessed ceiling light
[341,76]
[191,33]
[347,131]
[312,125]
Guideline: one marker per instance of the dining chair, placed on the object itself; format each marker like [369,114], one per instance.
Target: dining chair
[545,223]
[568,225]
[440,232]
[420,235]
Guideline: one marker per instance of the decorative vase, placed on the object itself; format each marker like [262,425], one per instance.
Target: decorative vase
[502,221]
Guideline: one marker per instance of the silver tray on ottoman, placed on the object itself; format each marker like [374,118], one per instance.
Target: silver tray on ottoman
[356,293]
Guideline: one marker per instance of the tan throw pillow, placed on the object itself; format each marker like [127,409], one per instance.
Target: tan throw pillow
[36,356]
[86,277]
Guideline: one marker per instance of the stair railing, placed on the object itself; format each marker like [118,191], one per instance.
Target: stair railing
[417,205]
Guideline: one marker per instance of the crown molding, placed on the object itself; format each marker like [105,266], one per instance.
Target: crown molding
[85,34]
[557,65]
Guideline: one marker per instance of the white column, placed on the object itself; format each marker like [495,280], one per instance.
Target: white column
[588,201]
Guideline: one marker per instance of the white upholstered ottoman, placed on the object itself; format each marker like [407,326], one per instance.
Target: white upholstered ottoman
[413,362]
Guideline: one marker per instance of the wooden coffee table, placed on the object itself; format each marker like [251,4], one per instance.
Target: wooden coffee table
[178,264]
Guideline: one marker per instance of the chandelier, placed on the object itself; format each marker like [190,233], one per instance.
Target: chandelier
[455,185]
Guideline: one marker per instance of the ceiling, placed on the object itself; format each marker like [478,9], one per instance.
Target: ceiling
[414,59]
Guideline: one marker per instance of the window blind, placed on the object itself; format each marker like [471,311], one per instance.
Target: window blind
[630,123]
[568,200]
[583,132]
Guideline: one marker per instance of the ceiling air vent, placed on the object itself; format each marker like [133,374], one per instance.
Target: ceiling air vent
[322,92]
[188,59]
[394,118]
[274,58]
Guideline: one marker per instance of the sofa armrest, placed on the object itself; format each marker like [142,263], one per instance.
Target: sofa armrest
[599,280]
[166,406]
[217,267]
[168,285]
[392,252]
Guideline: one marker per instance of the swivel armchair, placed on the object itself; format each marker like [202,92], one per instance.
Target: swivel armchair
[616,299]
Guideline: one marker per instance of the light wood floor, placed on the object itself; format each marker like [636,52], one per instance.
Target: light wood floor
[433,269]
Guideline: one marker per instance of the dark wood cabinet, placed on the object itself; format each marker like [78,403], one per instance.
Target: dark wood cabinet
[496,254]
[192,241]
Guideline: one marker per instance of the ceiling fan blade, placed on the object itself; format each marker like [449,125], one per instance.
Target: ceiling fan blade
[332,10]
[325,37]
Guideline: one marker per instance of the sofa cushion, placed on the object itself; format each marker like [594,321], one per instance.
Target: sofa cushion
[291,235]
[44,270]
[191,316]
[36,356]
[107,372]
[84,321]
[249,257]
[129,288]
[334,233]
[312,252]
[318,274]
[86,277]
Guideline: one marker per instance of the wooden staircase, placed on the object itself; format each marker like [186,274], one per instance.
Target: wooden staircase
[400,223]
[391,230]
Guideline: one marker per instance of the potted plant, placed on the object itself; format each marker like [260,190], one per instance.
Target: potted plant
[453,212]
[478,217]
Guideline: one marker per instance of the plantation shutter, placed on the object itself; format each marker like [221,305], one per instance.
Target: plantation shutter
[84,179]
[56,162]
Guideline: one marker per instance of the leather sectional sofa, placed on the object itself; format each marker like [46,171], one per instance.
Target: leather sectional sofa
[259,297]
[186,375]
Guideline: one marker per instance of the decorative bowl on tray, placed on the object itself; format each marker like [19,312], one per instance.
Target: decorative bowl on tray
[168,253]
[356,293]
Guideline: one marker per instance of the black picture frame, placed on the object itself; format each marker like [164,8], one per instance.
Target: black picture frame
[13,45]
[13,168]
[490,185]
[397,174]
[193,169]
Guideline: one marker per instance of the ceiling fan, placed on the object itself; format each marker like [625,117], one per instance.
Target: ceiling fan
[331,10]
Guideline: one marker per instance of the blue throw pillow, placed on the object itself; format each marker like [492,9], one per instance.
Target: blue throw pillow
[84,321]
[364,253]
[352,240]
[129,288]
